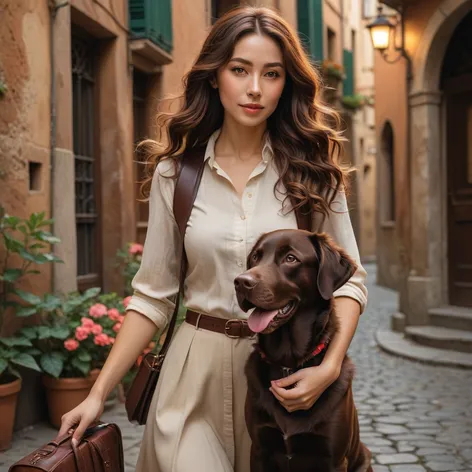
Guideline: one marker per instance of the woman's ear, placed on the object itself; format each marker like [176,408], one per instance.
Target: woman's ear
[214,83]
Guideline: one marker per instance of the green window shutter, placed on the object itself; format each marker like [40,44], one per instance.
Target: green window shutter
[310,26]
[152,19]
[348,85]
[318,29]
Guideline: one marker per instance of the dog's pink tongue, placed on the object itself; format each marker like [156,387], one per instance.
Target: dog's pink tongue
[259,319]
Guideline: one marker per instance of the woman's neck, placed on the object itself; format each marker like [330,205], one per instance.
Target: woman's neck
[241,142]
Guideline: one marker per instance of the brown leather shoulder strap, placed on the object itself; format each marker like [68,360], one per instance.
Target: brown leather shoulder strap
[187,184]
[304,220]
[186,188]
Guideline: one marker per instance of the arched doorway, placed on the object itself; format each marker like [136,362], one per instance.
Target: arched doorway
[387,176]
[456,83]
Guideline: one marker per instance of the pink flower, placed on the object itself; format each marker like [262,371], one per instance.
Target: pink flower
[135,248]
[71,344]
[96,329]
[121,318]
[87,322]
[126,301]
[102,340]
[81,333]
[116,327]
[98,310]
[113,314]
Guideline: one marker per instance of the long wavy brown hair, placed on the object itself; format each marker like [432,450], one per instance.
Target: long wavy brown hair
[304,131]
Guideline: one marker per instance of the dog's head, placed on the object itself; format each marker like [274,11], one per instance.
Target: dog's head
[288,269]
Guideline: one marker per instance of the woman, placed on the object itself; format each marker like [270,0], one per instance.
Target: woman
[253,99]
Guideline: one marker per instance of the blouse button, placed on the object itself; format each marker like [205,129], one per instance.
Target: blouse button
[243,217]
[249,195]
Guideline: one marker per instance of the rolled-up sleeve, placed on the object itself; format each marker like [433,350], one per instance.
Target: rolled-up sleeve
[156,283]
[338,225]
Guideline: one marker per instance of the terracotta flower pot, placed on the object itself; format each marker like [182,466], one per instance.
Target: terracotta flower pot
[8,397]
[65,394]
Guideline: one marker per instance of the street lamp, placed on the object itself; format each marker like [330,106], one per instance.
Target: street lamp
[381,30]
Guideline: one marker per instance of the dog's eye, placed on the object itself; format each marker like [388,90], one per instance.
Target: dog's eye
[291,258]
[255,257]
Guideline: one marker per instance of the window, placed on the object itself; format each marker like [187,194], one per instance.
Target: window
[387,175]
[87,184]
[331,45]
[220,7]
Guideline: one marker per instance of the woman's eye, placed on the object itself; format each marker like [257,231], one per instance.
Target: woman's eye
[238,70]
[291,258]
[273,74]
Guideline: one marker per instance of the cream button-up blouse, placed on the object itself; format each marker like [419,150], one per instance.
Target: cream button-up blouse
[221,231]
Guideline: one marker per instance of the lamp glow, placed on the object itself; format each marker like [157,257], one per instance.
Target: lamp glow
[380,31]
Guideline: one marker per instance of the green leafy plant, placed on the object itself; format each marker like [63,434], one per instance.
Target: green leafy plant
[25,245]
[76,331]
[129,259]
[3,88]
[353,102]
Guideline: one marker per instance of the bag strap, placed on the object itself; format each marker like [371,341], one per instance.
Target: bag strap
[186,189]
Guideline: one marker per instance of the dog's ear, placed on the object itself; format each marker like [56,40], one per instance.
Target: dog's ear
[335,266]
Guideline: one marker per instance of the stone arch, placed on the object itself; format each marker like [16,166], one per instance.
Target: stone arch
[427,280]
[428,59]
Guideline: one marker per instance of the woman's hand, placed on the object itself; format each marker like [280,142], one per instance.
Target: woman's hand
[309,383]
[81,417]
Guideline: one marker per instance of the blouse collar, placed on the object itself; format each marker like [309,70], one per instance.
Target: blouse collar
[267,150]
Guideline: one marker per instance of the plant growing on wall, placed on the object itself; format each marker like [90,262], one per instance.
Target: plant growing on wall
[3,88]
[354,102]
[333,69]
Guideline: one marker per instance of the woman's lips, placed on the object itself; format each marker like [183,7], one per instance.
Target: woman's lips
[252,109]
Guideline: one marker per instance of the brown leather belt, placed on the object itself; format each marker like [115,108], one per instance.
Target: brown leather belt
[233,328]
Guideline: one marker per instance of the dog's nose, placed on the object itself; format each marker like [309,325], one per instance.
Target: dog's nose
[245,281]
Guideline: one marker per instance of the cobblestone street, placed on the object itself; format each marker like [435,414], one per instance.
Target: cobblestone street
[414,417]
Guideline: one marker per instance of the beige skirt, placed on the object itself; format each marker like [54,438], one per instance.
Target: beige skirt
[196,420]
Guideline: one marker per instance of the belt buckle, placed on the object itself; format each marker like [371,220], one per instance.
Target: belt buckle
[228,327]
[241,324]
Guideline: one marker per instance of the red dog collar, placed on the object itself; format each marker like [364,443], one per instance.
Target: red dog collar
[320,348]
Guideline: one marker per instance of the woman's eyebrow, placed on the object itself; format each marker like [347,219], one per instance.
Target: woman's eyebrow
[249,63]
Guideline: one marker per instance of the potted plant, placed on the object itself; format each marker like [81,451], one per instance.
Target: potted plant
[72,342]
[24,242]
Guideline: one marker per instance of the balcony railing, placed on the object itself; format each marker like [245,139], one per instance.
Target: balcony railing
[152,19]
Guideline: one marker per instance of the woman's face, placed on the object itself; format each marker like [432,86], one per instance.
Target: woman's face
[251,83]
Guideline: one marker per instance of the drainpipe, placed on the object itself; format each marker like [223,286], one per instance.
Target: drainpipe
[53,9]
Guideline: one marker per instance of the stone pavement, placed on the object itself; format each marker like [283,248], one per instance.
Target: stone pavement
[414,417]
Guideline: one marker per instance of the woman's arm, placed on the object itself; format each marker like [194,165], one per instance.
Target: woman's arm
[156,284]
[134,336]
[348,311]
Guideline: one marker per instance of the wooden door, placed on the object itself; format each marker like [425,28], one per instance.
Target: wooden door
[459,166]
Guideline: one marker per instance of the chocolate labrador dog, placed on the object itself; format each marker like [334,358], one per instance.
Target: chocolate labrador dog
[289,286]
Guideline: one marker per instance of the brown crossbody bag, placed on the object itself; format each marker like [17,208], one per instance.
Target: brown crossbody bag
[139,395]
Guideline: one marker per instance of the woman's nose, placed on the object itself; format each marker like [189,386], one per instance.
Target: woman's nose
[254,89]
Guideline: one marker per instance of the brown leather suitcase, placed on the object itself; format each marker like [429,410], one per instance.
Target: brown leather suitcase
[100,450]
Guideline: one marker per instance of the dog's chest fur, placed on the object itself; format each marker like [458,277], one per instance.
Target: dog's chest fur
[263,403]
